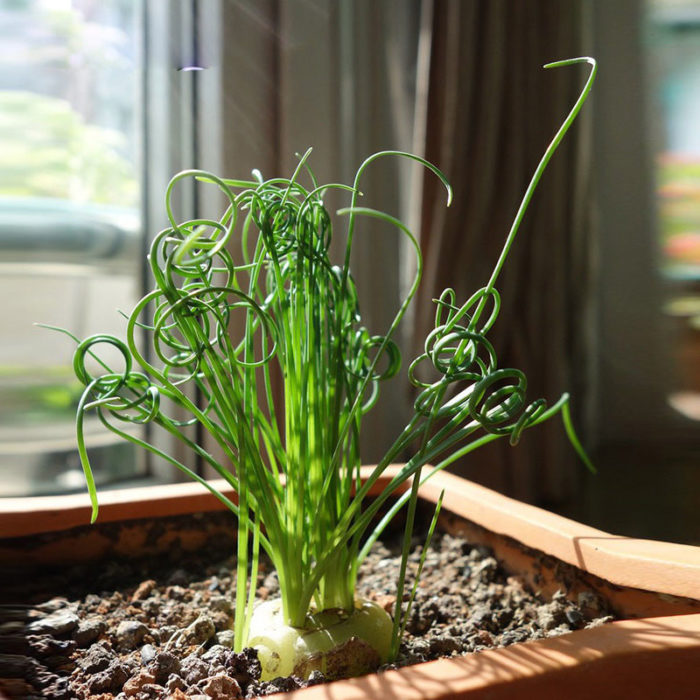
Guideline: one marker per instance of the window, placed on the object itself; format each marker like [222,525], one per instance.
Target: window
[674,56]
[643,175]
[70,223]
[123,95]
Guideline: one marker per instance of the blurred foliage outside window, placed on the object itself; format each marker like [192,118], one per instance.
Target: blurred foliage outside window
[70,188]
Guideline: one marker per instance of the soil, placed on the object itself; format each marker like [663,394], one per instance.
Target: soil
[161,628]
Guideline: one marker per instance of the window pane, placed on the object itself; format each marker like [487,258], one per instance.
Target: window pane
[674,55]
[70,222]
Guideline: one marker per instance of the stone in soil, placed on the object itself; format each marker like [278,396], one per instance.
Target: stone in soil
[97,658]
[222,687]
[163,665]
[88,631]
[56,624]
[130,634]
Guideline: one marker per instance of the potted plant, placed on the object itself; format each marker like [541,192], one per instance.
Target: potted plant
[294,465]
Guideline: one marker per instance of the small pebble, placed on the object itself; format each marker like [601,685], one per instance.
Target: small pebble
[88,631]
[112,678]
[574,617]
[144,590]
[480,616]
[51,606]
[148,653]
[200,631]
[445,645]
[285,685]
[550,616]
[58,689]
[484,638]
[222,687]
[589,601]
[98,658]
[316,677]
[513,636]
[175,592]
[221,604]
[45,645]
[178,694]
[164,665]
[175,683]
[244,666]
[225,638]
[130,634]
[57,623]
[193,669]
[134,685]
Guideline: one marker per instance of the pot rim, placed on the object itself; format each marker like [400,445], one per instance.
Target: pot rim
[664,567]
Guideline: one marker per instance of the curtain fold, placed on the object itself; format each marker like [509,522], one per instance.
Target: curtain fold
[491,112]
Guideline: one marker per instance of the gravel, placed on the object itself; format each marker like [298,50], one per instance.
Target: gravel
[158,631]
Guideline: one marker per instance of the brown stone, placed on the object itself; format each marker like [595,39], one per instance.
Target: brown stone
[133,685]
[177,694]
[144,590]
[222,687]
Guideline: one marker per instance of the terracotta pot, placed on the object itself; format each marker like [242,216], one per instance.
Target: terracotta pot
[654,587]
